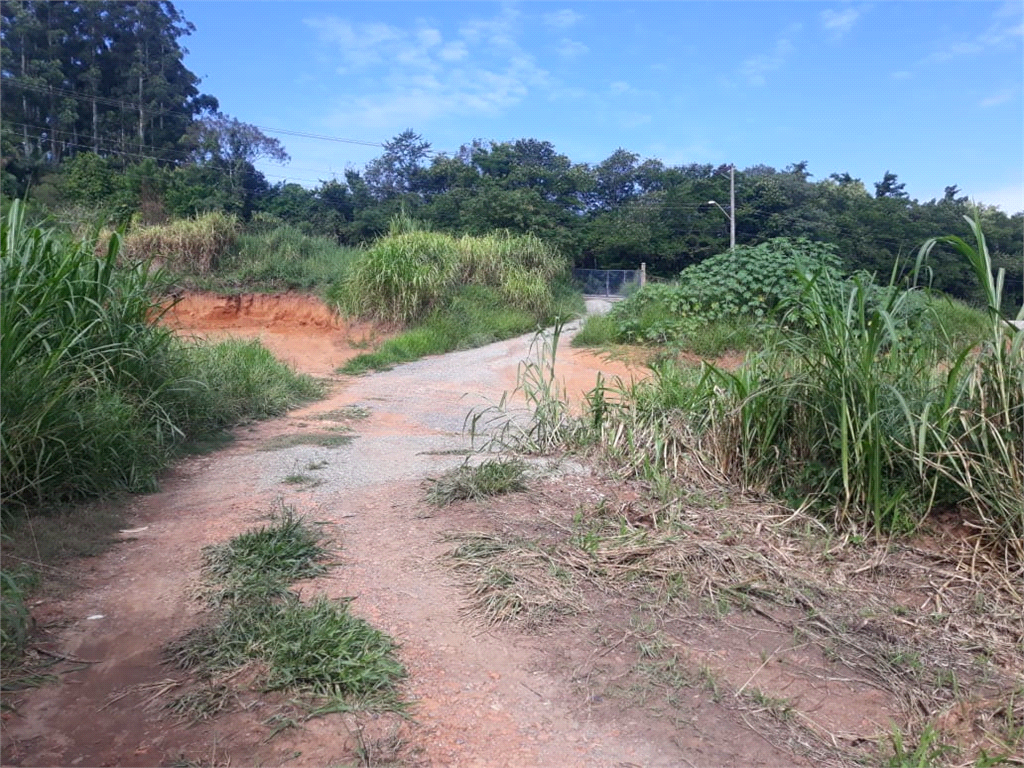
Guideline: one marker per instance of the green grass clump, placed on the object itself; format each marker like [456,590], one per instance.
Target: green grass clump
[284,258]
[493,477]
[288,550]
[597,331]
[195,245]
[317,648]
[237,380]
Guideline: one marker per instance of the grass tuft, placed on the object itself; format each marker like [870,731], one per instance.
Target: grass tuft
[318,649]
[492,477]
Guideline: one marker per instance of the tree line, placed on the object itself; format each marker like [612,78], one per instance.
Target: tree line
[99,110]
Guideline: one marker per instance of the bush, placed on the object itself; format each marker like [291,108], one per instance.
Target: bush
[746,283]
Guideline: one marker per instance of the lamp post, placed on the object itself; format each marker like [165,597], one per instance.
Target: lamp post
[731,213]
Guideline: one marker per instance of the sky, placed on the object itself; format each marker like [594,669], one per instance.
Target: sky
[931,91]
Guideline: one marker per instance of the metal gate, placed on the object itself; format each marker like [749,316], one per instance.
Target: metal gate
[607,282]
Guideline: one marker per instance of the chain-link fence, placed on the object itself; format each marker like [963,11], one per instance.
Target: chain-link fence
[606,282]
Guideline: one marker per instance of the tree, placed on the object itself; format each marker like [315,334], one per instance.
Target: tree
[106,77]
[396,172]
[889,187]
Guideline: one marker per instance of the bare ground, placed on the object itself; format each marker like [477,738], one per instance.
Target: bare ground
[601,669]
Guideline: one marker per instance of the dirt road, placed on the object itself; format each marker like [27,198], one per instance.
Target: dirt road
[479,697]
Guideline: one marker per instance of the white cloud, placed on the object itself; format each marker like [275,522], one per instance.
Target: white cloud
[757,68]
[397,76]
[454,52]
[995,100]
[570,49]
[839,22]
[1010,199]
[562,19]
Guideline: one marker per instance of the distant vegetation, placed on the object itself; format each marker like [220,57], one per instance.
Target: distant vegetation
[124,134]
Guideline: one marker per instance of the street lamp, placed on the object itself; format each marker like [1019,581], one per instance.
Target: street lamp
[731,213]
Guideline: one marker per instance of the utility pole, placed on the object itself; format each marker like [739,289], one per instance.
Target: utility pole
[731,213]
[732,207]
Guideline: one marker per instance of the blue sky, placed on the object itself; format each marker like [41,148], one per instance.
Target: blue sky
[933,91]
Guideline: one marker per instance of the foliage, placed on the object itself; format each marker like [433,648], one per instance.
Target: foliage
[746,283]
[405,275]
[105,76]
[97,396]
[849,406]
[282,257]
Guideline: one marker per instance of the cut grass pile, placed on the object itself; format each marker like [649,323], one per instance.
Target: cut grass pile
[492,477]
[511,579]
[316,650]
[703,556]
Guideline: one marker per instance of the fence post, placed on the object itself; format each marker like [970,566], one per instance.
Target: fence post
[643,274]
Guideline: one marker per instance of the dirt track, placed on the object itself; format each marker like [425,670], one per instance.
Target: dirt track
[479,697]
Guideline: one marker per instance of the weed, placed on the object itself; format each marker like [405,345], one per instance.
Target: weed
[492,477]
[928,751]
[511,579]
[779,708]
[286,550]
[324,439]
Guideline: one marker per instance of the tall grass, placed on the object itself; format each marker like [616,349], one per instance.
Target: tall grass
[861,404]
[409,272]
[284,258]
[96,395]
[972,435]
[193,245]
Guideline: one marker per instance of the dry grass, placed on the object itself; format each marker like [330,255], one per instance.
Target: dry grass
[194,245]
[936,624]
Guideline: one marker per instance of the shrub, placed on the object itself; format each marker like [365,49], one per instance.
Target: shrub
[746,283]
